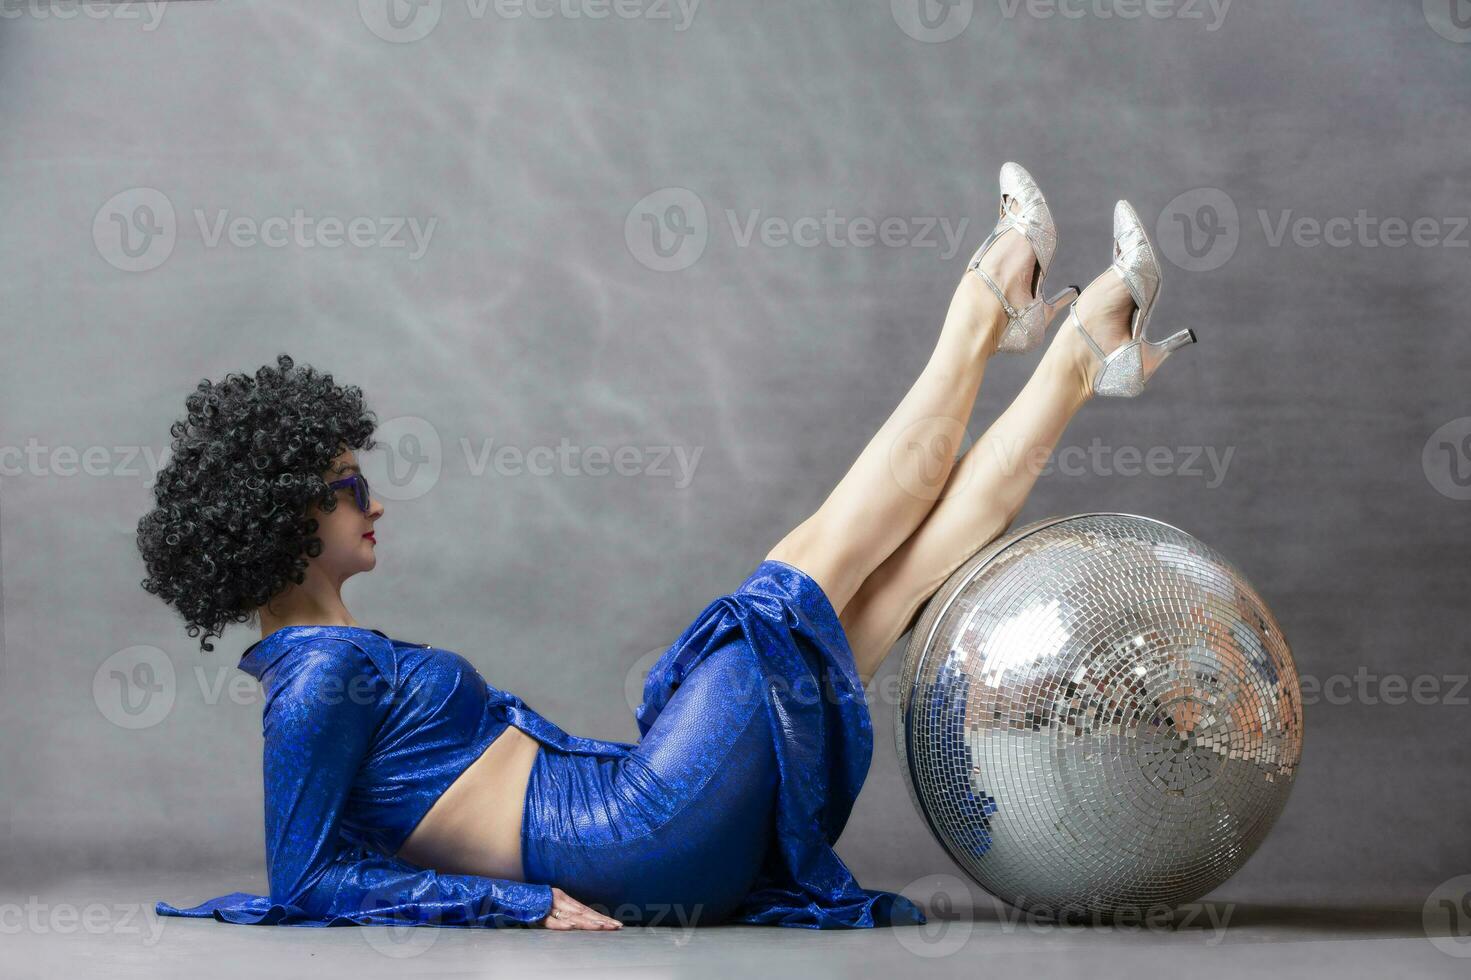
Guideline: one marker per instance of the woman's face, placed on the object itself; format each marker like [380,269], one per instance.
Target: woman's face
[346,532]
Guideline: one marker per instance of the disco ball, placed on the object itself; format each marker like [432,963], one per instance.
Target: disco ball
[1098,715]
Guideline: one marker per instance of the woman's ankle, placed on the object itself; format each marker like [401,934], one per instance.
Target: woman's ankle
[976,314]
[1069,362]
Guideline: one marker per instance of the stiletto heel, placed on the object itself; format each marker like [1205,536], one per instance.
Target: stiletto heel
[1025,327]
[1124,371]
[1068,295]
[1174,342]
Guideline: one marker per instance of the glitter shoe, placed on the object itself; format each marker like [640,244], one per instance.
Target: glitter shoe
[1124,371]
[1025,327]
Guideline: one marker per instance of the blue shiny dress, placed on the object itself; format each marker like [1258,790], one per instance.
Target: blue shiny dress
[755,740]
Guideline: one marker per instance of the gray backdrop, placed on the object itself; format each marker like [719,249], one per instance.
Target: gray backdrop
[171,180]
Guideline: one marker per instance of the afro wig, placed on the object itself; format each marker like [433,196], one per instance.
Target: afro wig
[229,529]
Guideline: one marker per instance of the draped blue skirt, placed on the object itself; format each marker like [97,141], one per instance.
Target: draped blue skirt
[755,739]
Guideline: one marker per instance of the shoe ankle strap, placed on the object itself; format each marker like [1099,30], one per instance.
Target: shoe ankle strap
[1078,322]
[1011,312]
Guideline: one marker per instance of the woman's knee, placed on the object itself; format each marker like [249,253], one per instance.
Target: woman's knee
[725,689]
[824,555]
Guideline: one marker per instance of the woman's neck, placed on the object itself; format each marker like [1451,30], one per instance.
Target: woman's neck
[303,605]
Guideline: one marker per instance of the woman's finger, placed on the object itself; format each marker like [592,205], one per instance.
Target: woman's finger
[564,918]
[568,913]
[596,920]
[599,916]
[577,922]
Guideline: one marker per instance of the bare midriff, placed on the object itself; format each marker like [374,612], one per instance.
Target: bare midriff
[475,825]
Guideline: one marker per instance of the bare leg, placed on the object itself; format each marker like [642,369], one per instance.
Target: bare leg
[987,488]
[902,471]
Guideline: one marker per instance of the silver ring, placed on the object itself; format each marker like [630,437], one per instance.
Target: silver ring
[556,913]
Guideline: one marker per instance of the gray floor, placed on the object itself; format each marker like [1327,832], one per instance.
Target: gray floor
[103,925]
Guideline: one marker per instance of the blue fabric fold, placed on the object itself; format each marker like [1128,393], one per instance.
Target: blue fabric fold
[824,745]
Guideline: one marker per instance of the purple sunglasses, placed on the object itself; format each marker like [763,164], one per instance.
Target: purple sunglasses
[360,493]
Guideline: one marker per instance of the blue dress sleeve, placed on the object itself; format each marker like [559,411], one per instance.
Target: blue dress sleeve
[320,718]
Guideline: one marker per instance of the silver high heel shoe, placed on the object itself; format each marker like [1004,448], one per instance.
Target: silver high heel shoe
[1123,372]
[1024,327]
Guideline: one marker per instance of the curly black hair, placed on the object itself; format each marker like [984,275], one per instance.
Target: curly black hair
[229,528]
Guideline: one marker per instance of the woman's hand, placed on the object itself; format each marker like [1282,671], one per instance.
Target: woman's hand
[568,913]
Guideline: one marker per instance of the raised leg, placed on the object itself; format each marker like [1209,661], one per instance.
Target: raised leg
[987,488]
[902,471]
